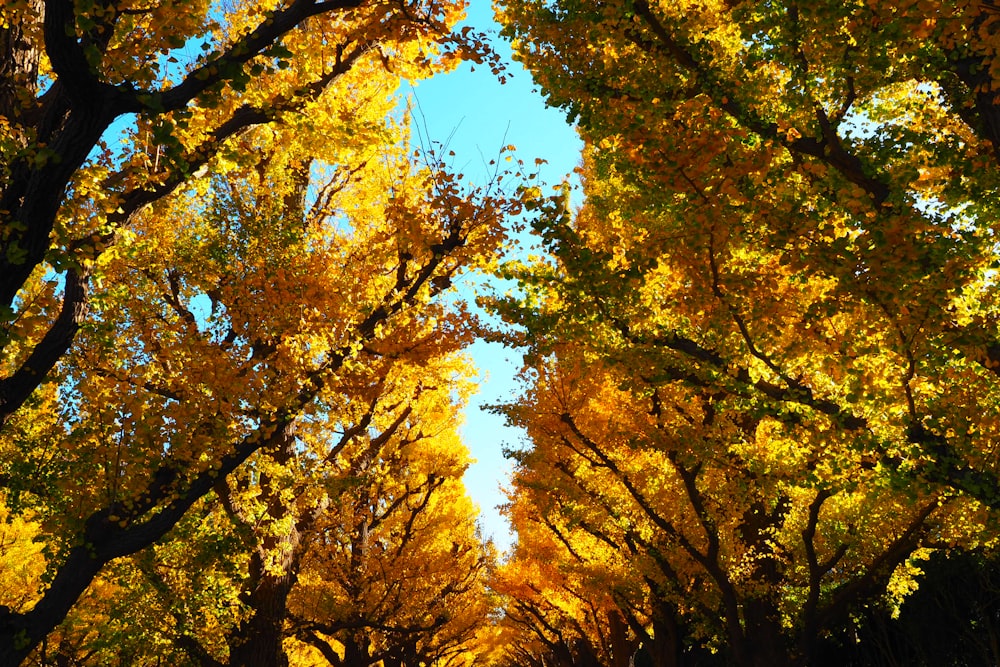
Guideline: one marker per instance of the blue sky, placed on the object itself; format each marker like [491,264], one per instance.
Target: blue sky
[477,116]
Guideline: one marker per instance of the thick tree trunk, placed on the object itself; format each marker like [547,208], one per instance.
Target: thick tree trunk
[259,642]
[19,63]
[260,638]
[356,650]
[621,648]
[666,637]
[766,639]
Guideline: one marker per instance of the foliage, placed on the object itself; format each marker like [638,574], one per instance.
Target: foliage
[793,204]
[361,543]
[397,571]
[23,561]
[760,377]
[761,381]
[215,237]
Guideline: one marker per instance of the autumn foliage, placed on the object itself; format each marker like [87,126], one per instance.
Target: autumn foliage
[760,383]
[226,350]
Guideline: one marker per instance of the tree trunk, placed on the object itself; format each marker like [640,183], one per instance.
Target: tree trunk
[666,647]
[621,648]
[356,650]
[766,639]
[19,65]
[260,639]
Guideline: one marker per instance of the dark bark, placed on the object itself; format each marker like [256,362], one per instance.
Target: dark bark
[621,648]
[762,630]
[357,650]
[258,641]
[105,539]
[260,638]
[668,639]
[18,66]
[313,639]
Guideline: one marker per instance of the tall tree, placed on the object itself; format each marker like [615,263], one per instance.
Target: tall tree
[190,76]
[778,300]
[760,145]
[357,539]
[225,311]
[397,575]
[699,523]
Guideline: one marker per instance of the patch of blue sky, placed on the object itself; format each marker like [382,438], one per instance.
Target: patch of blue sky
[468,111]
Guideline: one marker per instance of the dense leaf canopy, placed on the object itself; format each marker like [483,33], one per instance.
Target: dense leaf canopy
[762,380]
[222,272]
[760,387]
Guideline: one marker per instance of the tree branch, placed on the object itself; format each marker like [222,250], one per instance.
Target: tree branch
[16,389]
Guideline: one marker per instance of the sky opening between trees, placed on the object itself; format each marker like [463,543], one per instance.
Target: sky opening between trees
[761,358]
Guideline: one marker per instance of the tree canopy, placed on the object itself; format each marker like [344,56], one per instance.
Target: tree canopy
[760,388]
[772,322]
[220,257]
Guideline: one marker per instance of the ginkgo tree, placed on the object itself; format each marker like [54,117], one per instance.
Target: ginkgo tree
[700,524]
[191,76]
[397,573]
[355,545]
[750,145]
[777,305]
[190,289]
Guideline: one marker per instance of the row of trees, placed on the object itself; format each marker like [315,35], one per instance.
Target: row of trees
[230,387]
[761,388]
[761,381]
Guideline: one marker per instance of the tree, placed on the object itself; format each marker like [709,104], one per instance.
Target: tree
[357,538]
[951,619]
[777,301]
[847,146]
[231,277]
[71,71]
[553,615]
[397,575]
[699,523]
